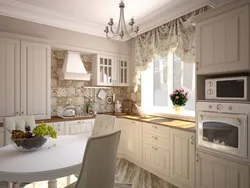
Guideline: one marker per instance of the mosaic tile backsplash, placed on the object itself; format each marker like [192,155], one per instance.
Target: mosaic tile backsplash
[73,92]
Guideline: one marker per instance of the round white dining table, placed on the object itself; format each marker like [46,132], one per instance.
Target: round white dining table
[48,163]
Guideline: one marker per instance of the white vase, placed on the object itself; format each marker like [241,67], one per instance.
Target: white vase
[179,109]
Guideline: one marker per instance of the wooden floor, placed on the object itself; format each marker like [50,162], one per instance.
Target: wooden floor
[126,172]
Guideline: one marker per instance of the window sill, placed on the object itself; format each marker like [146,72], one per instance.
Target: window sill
[187,115]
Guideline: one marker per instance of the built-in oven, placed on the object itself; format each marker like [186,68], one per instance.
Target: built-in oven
[223,128]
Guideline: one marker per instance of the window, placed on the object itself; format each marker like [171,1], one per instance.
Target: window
[160,80]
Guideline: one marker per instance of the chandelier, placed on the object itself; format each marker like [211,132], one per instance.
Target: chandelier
[121,30]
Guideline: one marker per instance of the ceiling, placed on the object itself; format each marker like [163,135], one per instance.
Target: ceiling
[91,16]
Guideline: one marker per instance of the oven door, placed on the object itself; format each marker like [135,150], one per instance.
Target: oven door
[225,133]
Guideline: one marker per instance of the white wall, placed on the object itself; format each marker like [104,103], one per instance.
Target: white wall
[63,39]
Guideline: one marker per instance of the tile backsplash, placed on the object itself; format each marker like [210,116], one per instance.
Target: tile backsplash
[73,92]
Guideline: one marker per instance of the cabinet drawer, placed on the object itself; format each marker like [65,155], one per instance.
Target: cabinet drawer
[75,129]
[157,141]
[156,159]
[59,127]
[157,130]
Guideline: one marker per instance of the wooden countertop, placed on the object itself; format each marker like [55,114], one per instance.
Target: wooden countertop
[168,122]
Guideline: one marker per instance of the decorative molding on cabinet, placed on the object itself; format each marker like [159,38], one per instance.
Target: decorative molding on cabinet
[219,10]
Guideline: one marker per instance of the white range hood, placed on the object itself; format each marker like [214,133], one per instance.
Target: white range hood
[73,68]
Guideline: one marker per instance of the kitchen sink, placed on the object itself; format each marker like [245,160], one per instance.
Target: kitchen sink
[72,117]
[162,120]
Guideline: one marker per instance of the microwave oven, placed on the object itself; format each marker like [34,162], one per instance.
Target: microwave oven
[231,88]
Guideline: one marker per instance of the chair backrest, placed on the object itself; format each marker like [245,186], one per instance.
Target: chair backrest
[99,162]
[16,122]
[103,124]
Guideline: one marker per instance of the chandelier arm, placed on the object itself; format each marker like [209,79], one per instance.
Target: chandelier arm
[125,28]
[121,29]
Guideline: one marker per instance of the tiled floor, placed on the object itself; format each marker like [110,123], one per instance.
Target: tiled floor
[126,172]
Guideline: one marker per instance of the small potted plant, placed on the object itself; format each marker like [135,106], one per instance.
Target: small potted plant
[30,141]
[179,98]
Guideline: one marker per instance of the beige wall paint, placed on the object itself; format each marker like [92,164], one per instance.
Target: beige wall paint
[64,39]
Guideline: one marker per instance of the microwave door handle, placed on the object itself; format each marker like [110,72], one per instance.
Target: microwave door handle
[225,117]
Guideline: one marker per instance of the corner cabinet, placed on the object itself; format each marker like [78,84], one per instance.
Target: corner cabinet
[215,172]
[35,79]
[110,71]
[222,42]
[25,79]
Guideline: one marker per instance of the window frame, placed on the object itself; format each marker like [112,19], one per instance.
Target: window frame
[148,92]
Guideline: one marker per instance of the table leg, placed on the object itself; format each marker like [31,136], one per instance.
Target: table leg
[52,184]
[10,185]
[68,180]
[16,185]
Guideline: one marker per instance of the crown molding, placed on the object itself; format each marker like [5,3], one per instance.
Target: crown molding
[169,12]
[15,9]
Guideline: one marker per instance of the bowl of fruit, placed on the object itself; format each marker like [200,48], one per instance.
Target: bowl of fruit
[32,140]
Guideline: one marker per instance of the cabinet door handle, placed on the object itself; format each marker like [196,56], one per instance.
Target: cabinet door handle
[197,157]
[17,113]
[22,112]
[155,137]
[192,140]
[197,65]
[79,122]
[154,148]
[155,127]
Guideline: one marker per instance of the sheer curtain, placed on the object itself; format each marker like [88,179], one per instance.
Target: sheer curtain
[176,36]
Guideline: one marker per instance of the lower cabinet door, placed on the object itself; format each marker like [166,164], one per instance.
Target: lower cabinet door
[75,129]
[182,158]
[156,159]
[215,172]
[59,127]
[131,140]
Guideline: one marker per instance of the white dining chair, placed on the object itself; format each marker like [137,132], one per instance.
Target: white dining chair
[103,124]
[16,122]
[99,162]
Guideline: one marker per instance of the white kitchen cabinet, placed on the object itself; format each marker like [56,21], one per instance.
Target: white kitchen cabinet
[182,158]
[9,77]
[131,140]
[222,42]
[156,160]
[1,136]
[35,80]
[156,150]
[215,172]
[110,71]
[121,72]
[78,127]
[59,127]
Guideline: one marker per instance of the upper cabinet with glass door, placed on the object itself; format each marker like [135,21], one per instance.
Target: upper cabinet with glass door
[121,72]
[109,71]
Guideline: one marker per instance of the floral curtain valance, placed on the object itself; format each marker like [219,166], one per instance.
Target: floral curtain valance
[176,36]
